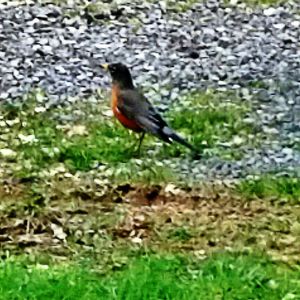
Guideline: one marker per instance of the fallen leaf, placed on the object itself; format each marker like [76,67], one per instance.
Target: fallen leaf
[58,231]
[77,130]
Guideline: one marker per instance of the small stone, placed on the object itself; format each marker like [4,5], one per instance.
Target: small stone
[296,24]
[237,140]
[194,55]
[77,130]
[40,109]
[279,26]
[27,139]
[137,240]
[270,11]
[8,153]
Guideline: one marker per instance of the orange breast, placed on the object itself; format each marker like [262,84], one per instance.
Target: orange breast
[128,123]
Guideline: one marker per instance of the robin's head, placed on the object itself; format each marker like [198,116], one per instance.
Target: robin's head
[120,74]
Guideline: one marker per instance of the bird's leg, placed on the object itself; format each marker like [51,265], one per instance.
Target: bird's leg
[140,143]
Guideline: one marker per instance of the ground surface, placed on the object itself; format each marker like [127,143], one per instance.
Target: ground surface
[74,196]
[250,51]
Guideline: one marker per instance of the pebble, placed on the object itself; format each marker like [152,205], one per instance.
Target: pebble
[6,153]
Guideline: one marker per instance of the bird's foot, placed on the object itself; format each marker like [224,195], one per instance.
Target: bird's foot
[136,153]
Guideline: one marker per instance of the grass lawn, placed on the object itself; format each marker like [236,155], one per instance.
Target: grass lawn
[153,237]
[268,186]
[83,136]
[83,218]
[222,276]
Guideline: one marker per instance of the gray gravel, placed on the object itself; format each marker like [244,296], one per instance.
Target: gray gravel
[210,45]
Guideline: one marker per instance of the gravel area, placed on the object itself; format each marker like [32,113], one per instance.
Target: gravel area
[254,51]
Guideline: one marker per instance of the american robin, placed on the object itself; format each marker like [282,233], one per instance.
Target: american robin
[134,111]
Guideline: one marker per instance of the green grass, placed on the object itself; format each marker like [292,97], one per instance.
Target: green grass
[210,118]
[265,2]
[180,6]
[223,276]
[268,186]
[99,7]
[180,234]
[261,2]
[20,282]
[177,6]
[258,84]
[103,143]
[81,136]
[100,141]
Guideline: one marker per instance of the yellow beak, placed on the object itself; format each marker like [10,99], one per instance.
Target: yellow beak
[105,66]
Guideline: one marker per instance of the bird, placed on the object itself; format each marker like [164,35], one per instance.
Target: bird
[135,112]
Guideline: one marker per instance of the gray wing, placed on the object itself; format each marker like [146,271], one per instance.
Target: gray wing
[135,106]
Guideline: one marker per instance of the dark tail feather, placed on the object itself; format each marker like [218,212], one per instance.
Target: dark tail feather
[173,136]
[177,138]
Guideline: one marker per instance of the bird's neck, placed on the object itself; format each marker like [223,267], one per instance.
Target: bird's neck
[125,83]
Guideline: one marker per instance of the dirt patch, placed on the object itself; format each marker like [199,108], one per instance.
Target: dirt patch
[72,218]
